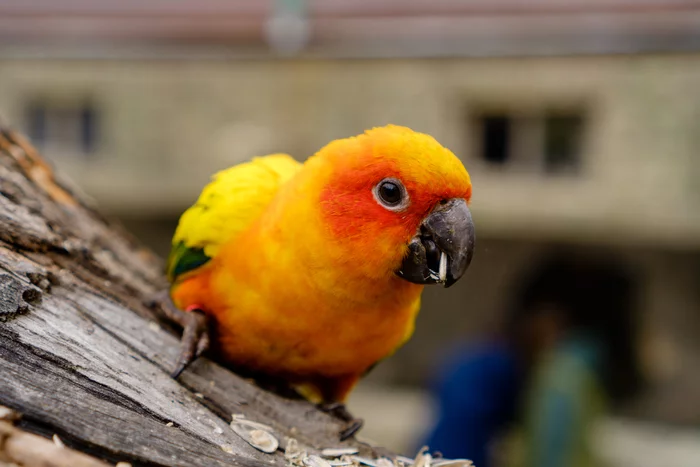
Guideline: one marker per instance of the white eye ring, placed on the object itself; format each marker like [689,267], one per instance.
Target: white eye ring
[386,195]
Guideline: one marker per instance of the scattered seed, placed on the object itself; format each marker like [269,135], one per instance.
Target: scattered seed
[341,462]
[259,439]
[57,441]
[454,463]
[123,464]
[240,418]
[264,440]
[292,451]
[218,430]
[443,267]
[423,458]
[364,461]
[169,424]
[154,326]
[199,395]
[315,461]
[337,452]
[227,448]
[5,413]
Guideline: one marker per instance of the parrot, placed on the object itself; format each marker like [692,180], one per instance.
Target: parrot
[312,272]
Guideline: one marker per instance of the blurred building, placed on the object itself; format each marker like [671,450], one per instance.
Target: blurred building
[578,120]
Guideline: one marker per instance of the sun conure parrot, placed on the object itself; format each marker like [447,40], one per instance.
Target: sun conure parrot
[313,272]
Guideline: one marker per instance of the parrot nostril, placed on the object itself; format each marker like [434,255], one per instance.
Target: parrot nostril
[443,202]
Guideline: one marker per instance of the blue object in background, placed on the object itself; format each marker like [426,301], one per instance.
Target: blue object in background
[477,394]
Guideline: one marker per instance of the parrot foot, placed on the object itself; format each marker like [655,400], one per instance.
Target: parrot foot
[195,339]
[338,410]
[353,427]
[195,330]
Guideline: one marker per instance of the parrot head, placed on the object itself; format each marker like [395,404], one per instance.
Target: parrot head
[399,199]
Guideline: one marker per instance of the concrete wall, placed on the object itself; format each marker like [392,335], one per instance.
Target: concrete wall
[168,124]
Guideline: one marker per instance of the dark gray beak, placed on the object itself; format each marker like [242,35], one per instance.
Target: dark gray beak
[443,247]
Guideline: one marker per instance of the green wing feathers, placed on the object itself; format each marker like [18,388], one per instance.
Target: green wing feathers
[183,259]
[233,199]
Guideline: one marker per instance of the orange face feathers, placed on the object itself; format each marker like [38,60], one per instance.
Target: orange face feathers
[353,169]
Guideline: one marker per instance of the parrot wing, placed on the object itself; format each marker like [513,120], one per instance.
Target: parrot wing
[227,206]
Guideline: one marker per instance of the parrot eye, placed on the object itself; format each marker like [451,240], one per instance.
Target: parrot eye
[391,194]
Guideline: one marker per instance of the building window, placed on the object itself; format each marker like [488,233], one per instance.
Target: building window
[562,142]
[547,141]
[64,130]
[496,138]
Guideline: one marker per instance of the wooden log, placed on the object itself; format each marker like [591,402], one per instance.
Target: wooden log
[18,447]
[83,357]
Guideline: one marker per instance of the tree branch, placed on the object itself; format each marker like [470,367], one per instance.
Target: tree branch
[81,355]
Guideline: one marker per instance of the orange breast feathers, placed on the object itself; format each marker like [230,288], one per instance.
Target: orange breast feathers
[309,290]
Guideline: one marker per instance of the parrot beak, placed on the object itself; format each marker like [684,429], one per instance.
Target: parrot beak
[442,249]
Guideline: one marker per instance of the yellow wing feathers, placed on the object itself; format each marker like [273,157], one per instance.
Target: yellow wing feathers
[227,205]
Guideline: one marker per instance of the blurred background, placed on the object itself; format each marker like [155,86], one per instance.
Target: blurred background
[579,121]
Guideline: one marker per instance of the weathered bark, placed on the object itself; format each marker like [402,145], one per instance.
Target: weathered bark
[81,355]
[18,447]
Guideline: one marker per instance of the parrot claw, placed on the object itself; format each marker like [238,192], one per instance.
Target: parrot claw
[339,410]
[352,428]
[195,330]
[195,340]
